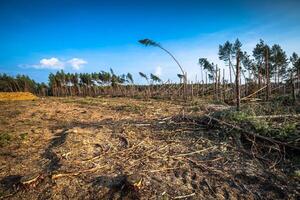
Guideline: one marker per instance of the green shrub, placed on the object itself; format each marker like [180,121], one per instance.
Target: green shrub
[261,126]
[289,128]
[285,100]
[232,115]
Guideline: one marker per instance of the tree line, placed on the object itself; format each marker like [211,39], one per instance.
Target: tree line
[21,83]
[254,68]
[268,68]
[72,84]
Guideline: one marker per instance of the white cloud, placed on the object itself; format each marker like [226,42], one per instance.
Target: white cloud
[76,63]
[51,63]
[57,64]
[158,71]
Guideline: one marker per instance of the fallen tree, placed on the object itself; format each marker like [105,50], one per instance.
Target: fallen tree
[243,131]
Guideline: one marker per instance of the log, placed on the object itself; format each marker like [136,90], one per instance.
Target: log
[250,95]
[274,116]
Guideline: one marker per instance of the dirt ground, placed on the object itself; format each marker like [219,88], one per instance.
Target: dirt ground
[117,148]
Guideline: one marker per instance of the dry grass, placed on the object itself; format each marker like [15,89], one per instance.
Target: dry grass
[4,96]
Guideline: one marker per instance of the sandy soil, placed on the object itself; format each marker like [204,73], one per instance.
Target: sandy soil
[116,148]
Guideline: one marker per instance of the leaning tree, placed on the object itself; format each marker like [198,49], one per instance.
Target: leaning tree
[148,42]
[155,78]
[144,76]
[210,68]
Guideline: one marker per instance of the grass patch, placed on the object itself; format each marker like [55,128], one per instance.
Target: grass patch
[85,101]
[5,139]
[128,108]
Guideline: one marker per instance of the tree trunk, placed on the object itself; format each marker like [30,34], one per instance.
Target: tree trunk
[224,86]
[267,76]
[259,76]
[206,82]
[185,86]
[230,81]
[237,82]
[278,76]
[216,82]
[293,87]
[192,90]
[297,72]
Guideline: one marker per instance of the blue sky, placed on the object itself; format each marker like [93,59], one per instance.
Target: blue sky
[38,37]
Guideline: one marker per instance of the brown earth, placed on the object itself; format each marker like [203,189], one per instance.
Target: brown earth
[117,148]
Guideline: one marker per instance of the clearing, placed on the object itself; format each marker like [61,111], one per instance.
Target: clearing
[120,148]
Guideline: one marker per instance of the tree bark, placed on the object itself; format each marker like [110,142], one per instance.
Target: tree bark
[224,86]
[237,82]
[215,85]
[267,75]
[293,88]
